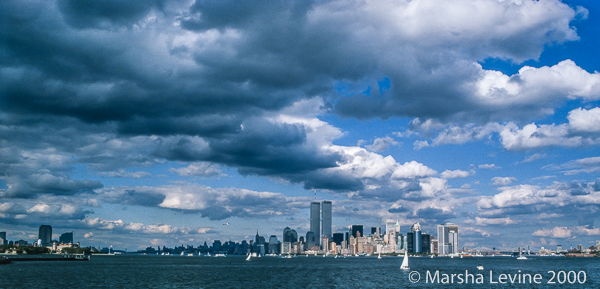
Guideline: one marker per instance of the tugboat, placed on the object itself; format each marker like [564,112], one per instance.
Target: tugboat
[4,260]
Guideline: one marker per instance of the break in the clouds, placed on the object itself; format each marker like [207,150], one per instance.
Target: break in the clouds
[115,113]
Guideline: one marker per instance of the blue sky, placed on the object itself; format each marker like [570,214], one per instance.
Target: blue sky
[155,122]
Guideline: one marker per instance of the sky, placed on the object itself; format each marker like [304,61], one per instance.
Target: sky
[149,123]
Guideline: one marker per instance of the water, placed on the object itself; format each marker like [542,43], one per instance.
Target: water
[134,271]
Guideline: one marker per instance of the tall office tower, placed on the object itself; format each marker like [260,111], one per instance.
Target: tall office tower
[3,238]
[356,229]
[447,239]
[390,227]
[311,240]
[417,241]
[442,239]
[425,243]
[273,245]
[45,235]
[453,228]
[290,235]
[326,224]
[315,220]
[397,227]
[66,238]
[338,238]
[376,231]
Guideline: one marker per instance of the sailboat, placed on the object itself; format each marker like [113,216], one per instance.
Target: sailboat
[404,265]
[379,256]
[521,257]
[248,258]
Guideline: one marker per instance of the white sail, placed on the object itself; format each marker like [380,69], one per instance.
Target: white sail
[248,258]
[404,265]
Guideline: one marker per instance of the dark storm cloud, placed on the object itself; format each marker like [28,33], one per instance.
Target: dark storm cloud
[95,14]
[37,184]
[133,81]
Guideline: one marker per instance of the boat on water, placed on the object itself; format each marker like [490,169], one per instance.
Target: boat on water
[220,255]
[480,268]
[4,260]
[404,265]
[248,258]
[379,256]
[521,257]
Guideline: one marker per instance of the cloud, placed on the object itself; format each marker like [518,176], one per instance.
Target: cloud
[503,181]
[381,144]
[125,174]
[583,120]
[585,165]
[556,232]
[412,169]
[449,174]
[579,131]
[565,232]
[533,157]
[212,203]
[202,169]
[488,166]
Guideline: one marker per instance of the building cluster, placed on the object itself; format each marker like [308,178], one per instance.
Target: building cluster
[44,240]
[320,239]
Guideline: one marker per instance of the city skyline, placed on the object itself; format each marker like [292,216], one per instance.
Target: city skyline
[178,122]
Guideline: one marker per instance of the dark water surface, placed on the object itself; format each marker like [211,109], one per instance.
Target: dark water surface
[134,271]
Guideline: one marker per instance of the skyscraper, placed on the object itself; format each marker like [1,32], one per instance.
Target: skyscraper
[447,239]
[326,224]
[315,220]
[45,235]
[66,238]
[3,238]
[417,241]
[453,233]
[356,228]
[338,238]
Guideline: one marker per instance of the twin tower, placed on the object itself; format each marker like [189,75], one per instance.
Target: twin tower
[316,223]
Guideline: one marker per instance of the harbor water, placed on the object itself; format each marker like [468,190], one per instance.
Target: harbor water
[139,271]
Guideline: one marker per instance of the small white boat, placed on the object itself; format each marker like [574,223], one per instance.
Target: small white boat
[248,258]
[191,254]
[431,256]
[181,253]
[480,268]
[521,257]
[379,256]
[404,265]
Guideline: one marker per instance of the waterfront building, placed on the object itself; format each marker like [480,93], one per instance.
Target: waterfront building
[273,245]
[45,234]
[559,248]
[376,231]
[3,240]
[356,230]
[390,226]
[286,248]
[447,239]
[326,221]
[216,246]
[338,238]
[311,240]
[290,235]
[425,243]
[315,220]
[434,245]
[66,238]
[416,238]
[325,243]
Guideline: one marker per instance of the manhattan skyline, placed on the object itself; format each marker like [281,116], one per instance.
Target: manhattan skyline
[147,123]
